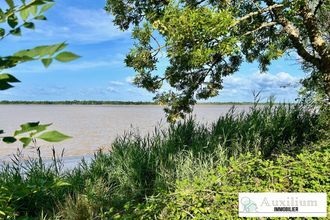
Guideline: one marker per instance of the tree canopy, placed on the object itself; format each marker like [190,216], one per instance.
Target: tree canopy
[206,40]
[13,19]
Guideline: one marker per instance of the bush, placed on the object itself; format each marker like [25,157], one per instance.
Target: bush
[214,194]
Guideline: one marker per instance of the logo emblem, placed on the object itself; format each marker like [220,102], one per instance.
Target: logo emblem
[248,205]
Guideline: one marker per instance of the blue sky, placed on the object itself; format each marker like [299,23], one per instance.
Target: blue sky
[101,73]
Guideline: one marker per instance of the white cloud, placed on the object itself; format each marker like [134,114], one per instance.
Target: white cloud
[47,91]
[92,25]
[129,79]
[75,25]
[116,83]
[261,81]
[111,89]
[282,85]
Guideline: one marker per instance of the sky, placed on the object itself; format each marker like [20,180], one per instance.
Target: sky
[100,73]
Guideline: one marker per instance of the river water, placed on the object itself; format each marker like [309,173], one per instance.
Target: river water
[92,127]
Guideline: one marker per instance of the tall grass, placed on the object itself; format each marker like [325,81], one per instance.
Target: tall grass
[138,167]
[29,187]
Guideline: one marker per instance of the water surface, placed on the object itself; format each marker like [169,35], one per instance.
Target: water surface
[92,127]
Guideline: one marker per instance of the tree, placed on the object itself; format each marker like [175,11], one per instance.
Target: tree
[206,40]
[12,20]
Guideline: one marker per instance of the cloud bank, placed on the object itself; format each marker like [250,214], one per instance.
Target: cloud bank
[240,88]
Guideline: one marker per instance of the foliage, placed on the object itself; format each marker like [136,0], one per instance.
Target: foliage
[214,194]
[33,129]
[27,188]
[205,41]
[13,19]
[149,163]
[116,183]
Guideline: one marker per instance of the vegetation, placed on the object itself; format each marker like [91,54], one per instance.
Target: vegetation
[212,193]
[189,170]
[12,20]
[206,40]
[177,173]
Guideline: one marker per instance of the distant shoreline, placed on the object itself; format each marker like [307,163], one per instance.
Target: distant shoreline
[75,102]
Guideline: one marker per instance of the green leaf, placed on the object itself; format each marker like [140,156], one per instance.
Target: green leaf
[10,3]
[56,48]
[61,183]
[41,51]
[8,78]
[5,79]
[46,7]
[47,61]
[40,17]
[26,141]
[2,16]
[2,32]
[53,136]
[24,14]
[22,59]
[34,52]
[9,140]
[66,56]
[34,9]
[1,131]
[29,25]
[12,21]
[40,2]
[4,85]
[16,32]
[31,126]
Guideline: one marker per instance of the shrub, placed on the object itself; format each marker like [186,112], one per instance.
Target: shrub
[214,194]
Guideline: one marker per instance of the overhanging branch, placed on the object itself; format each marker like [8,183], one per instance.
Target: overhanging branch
[294,35]
[263,10]
[262,26]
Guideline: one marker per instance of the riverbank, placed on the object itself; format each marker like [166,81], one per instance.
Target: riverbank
[185,171]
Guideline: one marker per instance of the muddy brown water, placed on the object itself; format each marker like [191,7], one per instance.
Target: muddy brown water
[92,127]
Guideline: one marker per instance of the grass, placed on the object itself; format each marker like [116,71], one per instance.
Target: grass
[139,169]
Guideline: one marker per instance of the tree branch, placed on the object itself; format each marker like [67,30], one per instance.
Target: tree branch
[157,50]
[314,34]
[263,25]
[318,6]
[263,10]
[294,35]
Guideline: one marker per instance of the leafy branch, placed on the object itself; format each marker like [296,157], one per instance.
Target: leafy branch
[11,17]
